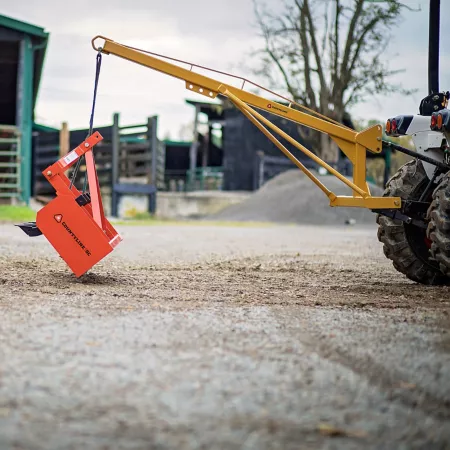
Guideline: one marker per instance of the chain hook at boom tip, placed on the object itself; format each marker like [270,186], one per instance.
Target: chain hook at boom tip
[93,42]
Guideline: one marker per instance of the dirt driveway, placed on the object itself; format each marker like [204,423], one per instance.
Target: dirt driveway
[205,337]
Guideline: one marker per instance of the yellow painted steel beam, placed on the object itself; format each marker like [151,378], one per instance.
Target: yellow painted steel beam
[210,88]
[368,202]
[353,144]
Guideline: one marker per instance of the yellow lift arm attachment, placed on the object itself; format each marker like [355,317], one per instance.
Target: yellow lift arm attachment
[354,144]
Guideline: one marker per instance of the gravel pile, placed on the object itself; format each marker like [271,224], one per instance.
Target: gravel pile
[292,198]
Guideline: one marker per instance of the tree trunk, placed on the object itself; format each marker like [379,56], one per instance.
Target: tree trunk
[328,150]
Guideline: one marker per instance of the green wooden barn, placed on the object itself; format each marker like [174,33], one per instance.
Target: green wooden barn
[22,53]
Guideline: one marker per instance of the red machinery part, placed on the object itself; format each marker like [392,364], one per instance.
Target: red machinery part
[78,231]
[433,122]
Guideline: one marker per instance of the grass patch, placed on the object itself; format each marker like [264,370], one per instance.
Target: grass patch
[134,217]
[10,213]
[205,223]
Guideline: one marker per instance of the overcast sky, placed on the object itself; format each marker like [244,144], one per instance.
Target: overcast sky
[216,33]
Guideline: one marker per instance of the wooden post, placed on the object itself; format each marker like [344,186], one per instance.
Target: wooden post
[153,140]
[64,140]
[149,161]
[207,146]
[115,165]
[24,113]
[154,148]
[194,149]
[259,170]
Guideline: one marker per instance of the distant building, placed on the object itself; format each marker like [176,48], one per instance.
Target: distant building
[22,52]
[224,138]
[249,157]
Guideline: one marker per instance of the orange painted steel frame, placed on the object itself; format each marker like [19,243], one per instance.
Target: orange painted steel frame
[81,234]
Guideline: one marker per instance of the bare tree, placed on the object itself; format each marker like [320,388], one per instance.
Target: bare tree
[328,55]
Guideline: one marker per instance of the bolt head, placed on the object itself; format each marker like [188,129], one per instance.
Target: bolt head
[49,173]
[396,203]
[86,144]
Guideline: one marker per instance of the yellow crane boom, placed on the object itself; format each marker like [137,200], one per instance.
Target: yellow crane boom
[354,144]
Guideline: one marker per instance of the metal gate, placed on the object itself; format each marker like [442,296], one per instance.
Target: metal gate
[10,163]
[130,161]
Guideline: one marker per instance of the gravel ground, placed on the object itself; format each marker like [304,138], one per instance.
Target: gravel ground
[203,337]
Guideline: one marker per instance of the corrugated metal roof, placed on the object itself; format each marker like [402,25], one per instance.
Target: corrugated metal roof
[39,38]
[24,27]
[44,128]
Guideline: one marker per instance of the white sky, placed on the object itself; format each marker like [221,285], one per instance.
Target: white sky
[215,33]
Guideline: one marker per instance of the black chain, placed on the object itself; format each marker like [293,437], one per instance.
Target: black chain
[91,121]
[97,76]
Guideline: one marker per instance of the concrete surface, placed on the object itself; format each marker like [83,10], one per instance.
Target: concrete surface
[202,337]
[175,205]
[178,205]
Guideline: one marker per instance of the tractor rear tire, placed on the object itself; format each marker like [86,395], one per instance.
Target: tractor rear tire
[438,231]
[406,245]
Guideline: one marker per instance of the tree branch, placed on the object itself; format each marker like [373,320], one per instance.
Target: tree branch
[312,35]
[336,48]
[277,61]
[284,74]
[305,51]
[330,58]
[350,36]
[326,28]
[360,43]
